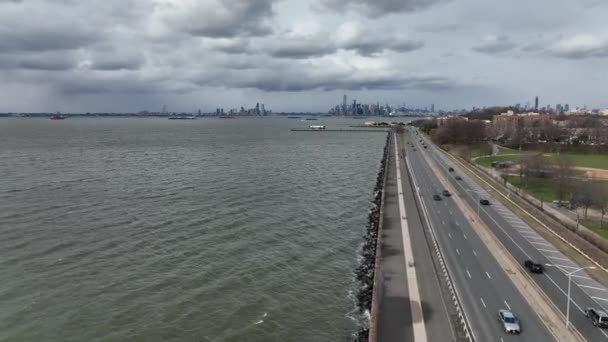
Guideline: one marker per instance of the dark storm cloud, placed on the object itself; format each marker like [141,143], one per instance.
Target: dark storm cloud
[221,19]
[47,64]
[377,8]
[117,61]
[42,38]
[494,45]
[300,49]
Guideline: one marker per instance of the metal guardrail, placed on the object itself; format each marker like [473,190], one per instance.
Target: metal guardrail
[464,321]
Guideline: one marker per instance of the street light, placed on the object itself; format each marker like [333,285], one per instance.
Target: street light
[569,285]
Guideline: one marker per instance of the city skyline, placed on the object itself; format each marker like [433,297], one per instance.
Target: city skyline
[299,55]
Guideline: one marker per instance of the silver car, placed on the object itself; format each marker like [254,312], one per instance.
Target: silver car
[509,322]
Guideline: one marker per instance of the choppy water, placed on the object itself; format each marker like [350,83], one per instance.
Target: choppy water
[205,230]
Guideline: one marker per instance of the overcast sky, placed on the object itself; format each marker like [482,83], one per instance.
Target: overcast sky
[299,55]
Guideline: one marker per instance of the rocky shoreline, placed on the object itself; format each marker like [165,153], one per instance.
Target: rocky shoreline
[365,272]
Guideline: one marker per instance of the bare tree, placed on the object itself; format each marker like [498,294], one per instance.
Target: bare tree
[600,201]
[583,195]
[563,171]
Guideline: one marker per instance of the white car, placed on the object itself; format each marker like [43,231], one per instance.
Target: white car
[509,322]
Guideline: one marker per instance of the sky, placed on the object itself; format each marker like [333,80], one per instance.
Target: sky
[299,55]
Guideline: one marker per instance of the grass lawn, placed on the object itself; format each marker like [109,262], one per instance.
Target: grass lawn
[598,161]
[487,161]
[505,150]
[595,226]
[540,188]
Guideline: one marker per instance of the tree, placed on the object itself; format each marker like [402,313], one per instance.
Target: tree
[600,201]
[583,195]
[563,171]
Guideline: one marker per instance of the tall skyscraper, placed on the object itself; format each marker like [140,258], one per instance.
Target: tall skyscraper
[355,107]
[257,108]
[263,109]
[566,107]
[344,105]
[433,108]
[536,103]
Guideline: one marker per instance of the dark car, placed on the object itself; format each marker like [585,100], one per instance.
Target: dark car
[458,178]
[424,146]
[598,317]
[446,193]
[533,267]
[484,202]
[451,169]
[437,197]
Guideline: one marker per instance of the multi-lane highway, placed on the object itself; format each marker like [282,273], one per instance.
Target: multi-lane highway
[483,286]
[403,250]
[519,239]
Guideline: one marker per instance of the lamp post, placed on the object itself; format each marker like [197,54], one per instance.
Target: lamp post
[569,286]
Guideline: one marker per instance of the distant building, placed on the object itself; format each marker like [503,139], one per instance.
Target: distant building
[536,104]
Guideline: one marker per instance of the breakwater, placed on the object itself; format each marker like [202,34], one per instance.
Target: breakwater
[366,272]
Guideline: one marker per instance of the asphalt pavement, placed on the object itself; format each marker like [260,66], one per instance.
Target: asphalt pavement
[395,321]
[524,243]
[483,286]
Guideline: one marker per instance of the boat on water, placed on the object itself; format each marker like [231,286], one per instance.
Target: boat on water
[226,117]
[57,117]
[293,117]
[182,118]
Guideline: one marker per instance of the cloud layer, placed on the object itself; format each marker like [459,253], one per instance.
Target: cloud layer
[212,53]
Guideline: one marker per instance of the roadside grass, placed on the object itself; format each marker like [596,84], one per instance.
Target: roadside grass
[487,161]
[540,188]
[596,161]
[505,150]
[598,275]
[597,227]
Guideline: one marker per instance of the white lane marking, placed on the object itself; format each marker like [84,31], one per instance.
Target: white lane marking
[556,258]
[540,243]
[450,235]
[457,251]
[469,274]
[535,238]
[579,276]
[488,274]
[414,293]
[474,253]
[567,266]
[549,250]
[457,224]
[465,236]
[443,222]
[507,304]
[592,287]
[600,298]
[501,340]
[482,302]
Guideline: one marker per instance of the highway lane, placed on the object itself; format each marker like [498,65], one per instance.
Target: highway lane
[395,321]
[483,286]
[523,243]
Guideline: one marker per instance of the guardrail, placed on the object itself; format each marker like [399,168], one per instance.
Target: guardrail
[464,321]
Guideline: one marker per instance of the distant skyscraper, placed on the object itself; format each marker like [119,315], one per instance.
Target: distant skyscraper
[355,107]
[344,105]
[199,112]
[558,108]
[263,109]
[536,103]
[433,108]
[257,108]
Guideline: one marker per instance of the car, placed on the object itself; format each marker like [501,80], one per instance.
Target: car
[533,267]
[598,317]
[424,146]
[437,197]
[509,322]
[446,193]
[451,169]
[484,201]
[458,178]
